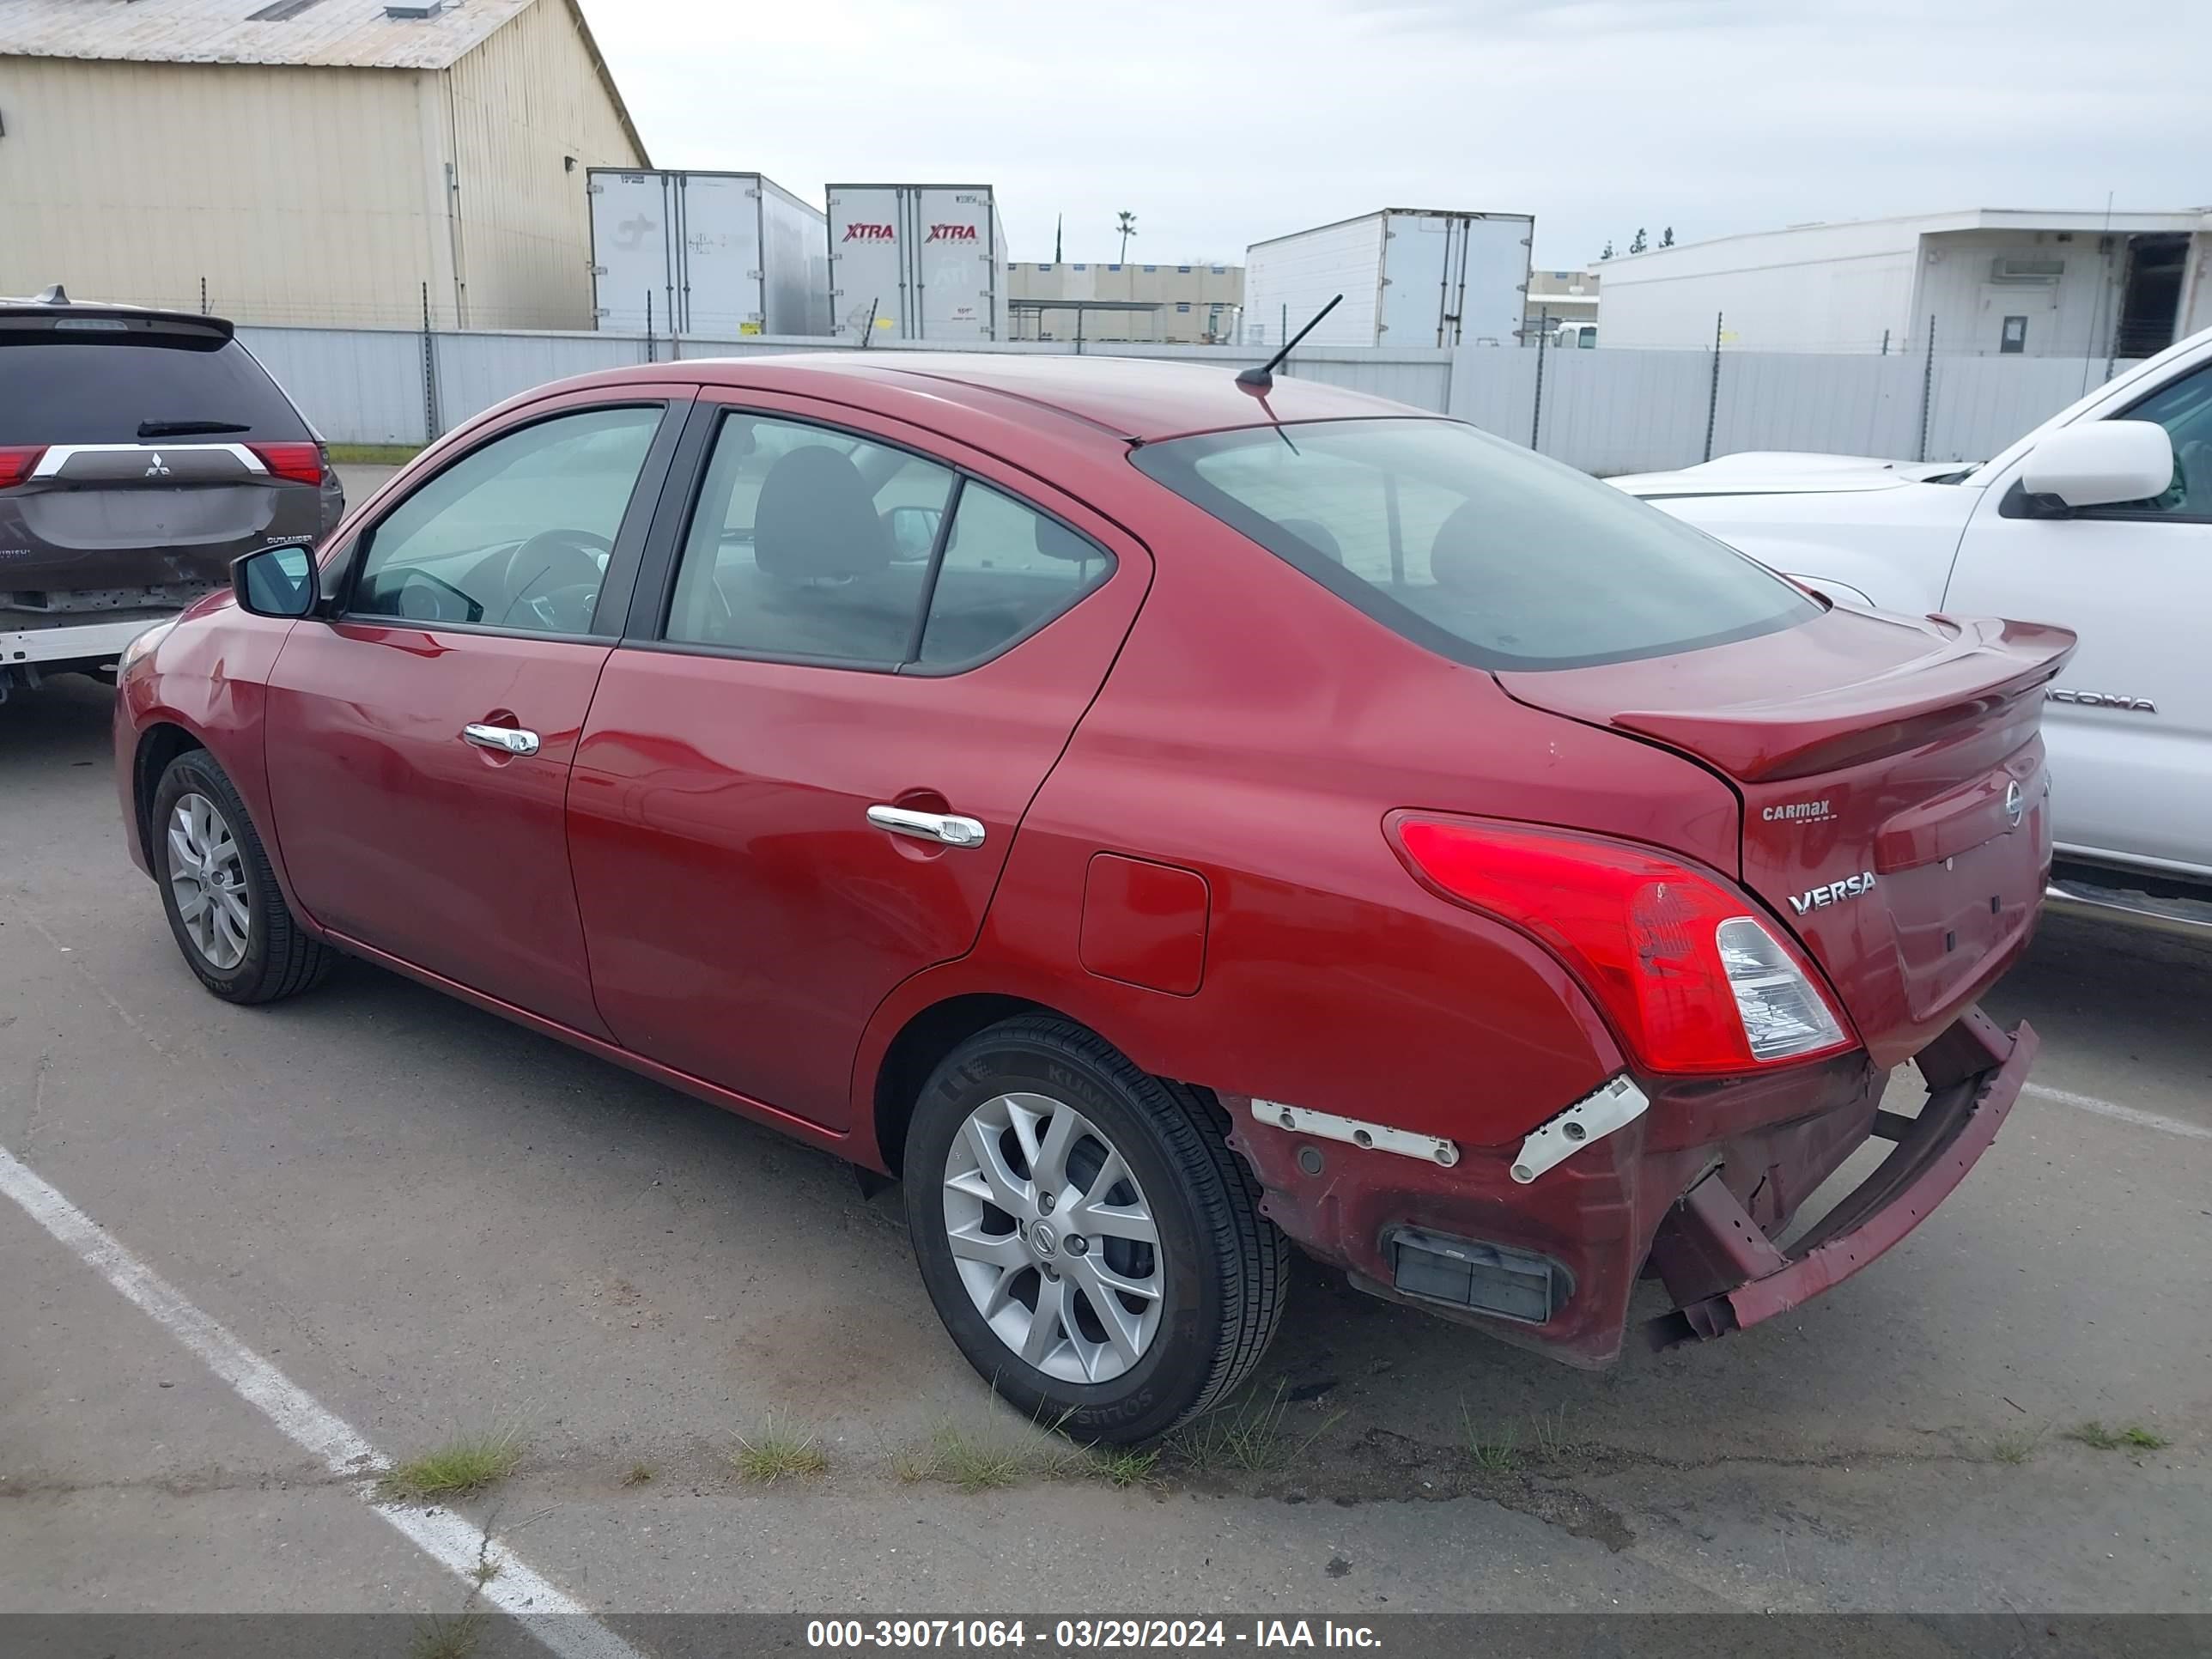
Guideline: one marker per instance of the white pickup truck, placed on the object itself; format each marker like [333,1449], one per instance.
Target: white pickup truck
[2100,519]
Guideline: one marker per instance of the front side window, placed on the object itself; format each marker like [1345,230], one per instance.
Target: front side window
[820,546]
[517,533]
[1474,548]
[2183,408]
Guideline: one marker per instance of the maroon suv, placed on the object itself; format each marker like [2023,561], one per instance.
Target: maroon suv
[1162,820]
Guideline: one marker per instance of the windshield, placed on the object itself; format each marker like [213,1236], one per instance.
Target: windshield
[1474,548]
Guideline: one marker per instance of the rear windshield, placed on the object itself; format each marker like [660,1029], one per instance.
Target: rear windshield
[1474,548]
[85,390]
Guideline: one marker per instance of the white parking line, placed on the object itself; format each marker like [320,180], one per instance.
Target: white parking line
[2171,1126]
[550,1614]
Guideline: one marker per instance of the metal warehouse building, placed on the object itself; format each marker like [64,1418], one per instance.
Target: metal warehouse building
[310,161]
[1997,281]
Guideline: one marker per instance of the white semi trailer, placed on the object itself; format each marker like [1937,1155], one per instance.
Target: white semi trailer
[1410,276]
[714,254]
[917,262]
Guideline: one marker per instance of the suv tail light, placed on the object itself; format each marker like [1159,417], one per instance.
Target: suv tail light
[301,463]
[16,461]
[1688,973]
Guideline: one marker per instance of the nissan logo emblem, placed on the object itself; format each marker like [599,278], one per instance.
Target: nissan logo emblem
[2016,802]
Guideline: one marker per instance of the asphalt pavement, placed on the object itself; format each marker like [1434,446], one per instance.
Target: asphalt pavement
[420,1220]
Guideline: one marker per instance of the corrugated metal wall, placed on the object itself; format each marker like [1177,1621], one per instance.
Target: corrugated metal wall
[1605,411]
[309,195]
[299,194]
[518,105]
[1619,411]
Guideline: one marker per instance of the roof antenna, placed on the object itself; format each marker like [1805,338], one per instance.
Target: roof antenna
[1260,379]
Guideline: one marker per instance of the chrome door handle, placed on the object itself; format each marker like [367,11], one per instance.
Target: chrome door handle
[508,739]
[947,827]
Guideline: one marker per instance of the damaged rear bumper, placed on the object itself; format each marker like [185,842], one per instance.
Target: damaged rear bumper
[1693,1190]
[1727,1275]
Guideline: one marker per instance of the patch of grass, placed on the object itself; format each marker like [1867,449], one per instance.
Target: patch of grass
[373,454]
[466,1463]
[2014,1446]
[1494,1453]
[446,1639]
[2132,1438]
[638,1474]
[973,1463]
[778,1454]
[1551,1434]
[1118,1465]
[1251,1435]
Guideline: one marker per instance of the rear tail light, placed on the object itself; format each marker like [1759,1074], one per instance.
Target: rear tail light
[301,463]
[1692,978]
[17,462]
[1783,1015]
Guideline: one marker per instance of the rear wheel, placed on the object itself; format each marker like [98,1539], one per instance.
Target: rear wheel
[1090,1242]
[219,892]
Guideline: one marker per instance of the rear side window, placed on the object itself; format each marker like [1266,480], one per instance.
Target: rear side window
[1005,571]
[799,547]
[85,389]
[818,546]
[1474,548]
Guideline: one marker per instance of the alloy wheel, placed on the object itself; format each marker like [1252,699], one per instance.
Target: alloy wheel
[207,880]
[1053,1238]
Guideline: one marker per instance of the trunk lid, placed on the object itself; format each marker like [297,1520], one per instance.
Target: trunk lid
[1895,812]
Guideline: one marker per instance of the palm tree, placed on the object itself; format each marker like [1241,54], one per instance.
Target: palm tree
[1126,228]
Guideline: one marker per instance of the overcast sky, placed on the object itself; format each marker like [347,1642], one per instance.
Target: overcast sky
[1219,125]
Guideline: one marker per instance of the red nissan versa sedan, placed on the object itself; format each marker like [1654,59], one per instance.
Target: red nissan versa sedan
[1164,821]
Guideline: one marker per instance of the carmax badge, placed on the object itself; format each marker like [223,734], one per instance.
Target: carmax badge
[1848,887]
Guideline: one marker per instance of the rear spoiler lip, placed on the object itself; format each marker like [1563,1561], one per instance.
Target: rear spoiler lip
[15,314]
[1996,663]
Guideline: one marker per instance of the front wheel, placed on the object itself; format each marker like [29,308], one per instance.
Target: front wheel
[1090,1242]
[220,894]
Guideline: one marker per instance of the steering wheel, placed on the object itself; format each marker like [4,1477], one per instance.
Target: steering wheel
[554,577]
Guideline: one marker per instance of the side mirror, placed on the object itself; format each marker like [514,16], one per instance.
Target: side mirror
[275,581]
[2099,463]
[913,532]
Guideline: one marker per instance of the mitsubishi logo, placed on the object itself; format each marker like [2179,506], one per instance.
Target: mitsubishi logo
[156,468]
[2015,804]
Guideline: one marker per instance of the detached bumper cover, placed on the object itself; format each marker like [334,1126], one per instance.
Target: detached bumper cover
[1726,1274]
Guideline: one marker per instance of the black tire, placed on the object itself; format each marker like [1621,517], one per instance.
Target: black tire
[281,959]
[1222,1267]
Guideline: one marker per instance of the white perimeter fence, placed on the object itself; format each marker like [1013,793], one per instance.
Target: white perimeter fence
[1612,410]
